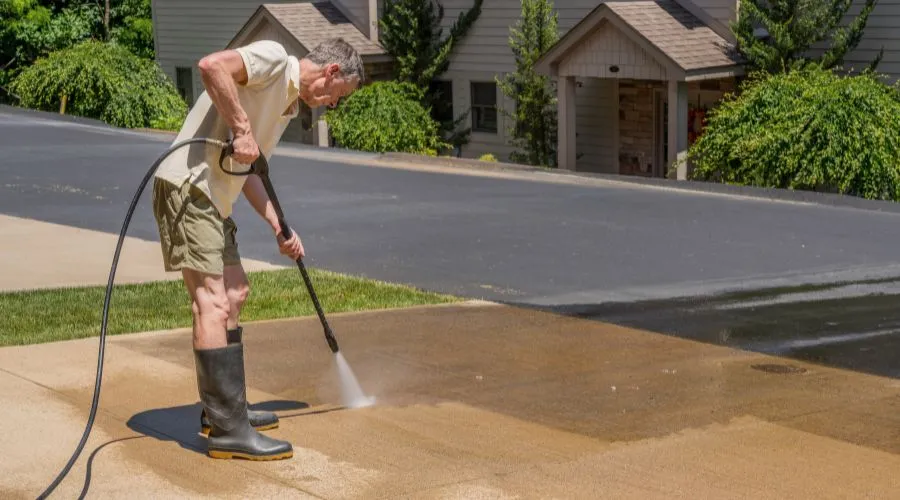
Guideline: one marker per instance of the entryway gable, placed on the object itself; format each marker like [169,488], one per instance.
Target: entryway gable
[608,52]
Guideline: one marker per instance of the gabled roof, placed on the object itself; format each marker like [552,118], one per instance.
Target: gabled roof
[674,36]
[311,23]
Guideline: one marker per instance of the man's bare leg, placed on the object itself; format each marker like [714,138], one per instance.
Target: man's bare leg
[220,376]
[210,307]
[237,289]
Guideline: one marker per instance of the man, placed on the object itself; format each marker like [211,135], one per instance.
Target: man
[251,95]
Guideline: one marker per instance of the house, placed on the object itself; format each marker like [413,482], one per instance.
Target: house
[618,65]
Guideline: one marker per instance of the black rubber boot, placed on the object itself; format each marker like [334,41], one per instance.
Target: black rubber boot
[259,420]
[220,378]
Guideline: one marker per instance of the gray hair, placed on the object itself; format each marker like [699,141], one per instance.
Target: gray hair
[338,51]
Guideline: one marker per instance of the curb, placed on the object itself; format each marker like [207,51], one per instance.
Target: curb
[691,186]
[49,115]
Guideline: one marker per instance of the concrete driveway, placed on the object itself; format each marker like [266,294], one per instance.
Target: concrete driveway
[473,401]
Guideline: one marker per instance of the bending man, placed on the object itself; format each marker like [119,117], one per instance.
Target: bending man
[252,93]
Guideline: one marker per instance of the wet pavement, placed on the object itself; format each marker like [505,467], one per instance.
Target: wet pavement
[851,325]
[473,401]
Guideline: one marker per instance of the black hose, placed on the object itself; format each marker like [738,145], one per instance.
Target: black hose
[106,300]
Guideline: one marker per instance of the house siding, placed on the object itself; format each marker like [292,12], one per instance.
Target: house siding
[882,30]
[357,11]
[484,54]
[722,10]
[187,30]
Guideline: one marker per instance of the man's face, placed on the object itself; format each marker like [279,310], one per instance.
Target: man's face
[329,88]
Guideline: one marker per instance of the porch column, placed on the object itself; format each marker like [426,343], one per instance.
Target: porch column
[565,90]
[678,127]
[320,128]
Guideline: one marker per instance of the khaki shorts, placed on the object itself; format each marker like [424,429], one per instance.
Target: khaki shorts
[192,233]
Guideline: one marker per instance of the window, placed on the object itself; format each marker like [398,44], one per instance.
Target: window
[442,108]
[484,107]
[184,82]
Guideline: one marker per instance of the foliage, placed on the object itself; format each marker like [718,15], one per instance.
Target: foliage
[808,129]
[411,32]
[795,26]
[132,27]
[31,30]
[34,28]
[383,117]
[534,119]
[487,157]
[104,81]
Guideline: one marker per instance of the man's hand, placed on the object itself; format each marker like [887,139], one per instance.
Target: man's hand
[246,151]
[293,247]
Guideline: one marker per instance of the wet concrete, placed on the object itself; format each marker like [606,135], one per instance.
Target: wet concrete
[474,401]
[853,325]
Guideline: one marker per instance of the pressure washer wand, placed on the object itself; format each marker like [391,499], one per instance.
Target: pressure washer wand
[260,167]
[329,335]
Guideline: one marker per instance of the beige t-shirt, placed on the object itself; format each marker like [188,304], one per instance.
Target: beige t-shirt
[270,101]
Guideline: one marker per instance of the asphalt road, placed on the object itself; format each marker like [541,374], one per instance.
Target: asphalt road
[801,280]
[501,239]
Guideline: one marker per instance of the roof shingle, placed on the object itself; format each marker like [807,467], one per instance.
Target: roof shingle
[680,35]
[314,22]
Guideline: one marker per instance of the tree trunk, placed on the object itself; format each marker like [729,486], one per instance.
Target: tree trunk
[106,20]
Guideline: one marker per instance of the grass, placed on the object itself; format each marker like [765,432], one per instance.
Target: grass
[38,316]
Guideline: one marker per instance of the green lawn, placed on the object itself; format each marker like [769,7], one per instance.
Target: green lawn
[49,315]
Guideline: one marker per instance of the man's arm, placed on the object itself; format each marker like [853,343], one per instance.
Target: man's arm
[221,73]
[259,200]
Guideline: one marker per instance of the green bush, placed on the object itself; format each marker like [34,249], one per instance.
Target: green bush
[383,117]
[104,81]
[488,157]
[807,130]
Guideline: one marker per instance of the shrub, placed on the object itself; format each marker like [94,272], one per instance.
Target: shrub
[487,157]
[103,81]
[809,130]
[385,116]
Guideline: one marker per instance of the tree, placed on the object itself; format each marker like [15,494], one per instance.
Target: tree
[385,117]
[808,129]
[534,128]
[104,81]
[791,28]
[132,27]
[411,32]
[34,28]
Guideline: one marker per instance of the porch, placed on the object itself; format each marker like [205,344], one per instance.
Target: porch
[662,66]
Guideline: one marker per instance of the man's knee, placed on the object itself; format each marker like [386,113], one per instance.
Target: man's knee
[238,294]
[211,303]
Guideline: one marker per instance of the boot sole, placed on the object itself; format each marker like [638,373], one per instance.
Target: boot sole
[226,455]
[205,430]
